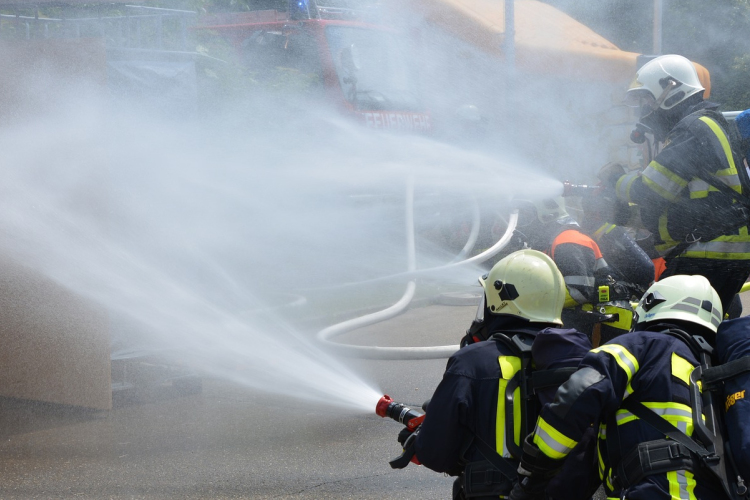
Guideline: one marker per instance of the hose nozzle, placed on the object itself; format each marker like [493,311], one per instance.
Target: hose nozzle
[402,414]
[570,189]
[382,407]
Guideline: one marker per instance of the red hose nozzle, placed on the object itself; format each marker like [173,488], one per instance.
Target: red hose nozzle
[399,412]
[382,406]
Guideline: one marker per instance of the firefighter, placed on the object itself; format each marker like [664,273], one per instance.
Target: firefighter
[464,433]
[605,219]
[646,369]
[687,194]
[546,226]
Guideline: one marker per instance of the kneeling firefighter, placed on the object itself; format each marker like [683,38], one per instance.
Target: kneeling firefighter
[546,226]
[659,435]
[486,400]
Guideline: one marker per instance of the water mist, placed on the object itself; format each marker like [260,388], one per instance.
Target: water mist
[197,236]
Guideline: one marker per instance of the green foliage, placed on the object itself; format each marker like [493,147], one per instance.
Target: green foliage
[713,33]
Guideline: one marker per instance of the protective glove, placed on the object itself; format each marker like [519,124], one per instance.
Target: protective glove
[610,173]
[405,434]
[408,454]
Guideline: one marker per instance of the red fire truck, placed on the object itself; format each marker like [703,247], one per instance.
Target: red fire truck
[338,53]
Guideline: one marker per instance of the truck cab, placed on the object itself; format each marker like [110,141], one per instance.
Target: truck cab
[338,54]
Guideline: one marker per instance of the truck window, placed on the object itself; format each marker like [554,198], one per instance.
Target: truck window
[372,69]
[285,60]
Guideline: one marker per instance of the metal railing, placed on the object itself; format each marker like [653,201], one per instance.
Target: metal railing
[130,26]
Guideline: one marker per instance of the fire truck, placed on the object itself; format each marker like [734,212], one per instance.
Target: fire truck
[337,53]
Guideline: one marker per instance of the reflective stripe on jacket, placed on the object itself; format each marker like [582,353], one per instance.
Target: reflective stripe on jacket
[470,401]
[651,367]
[675,202]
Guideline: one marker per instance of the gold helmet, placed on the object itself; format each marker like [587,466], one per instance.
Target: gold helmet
[526,284]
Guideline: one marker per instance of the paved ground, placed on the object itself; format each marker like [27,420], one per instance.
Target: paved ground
[232,442]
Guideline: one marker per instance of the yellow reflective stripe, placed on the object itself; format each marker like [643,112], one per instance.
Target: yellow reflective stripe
[664,235]
[604,229]
[731,247]
[600,458]
[509,365]
[623,357]
[679,415]
[570,302]
[665,183]
[681,368]
[681,485]
[700,188]
[552,442]
[624,183]
[624,317]
[717,130]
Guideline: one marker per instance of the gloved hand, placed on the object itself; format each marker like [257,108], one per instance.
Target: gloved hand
[408,454]
[404,435]
[610,173]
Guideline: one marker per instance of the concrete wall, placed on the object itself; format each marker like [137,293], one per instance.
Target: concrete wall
[55,345]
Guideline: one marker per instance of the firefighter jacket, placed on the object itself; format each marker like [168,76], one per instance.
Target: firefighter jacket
[469,402]
[580,261]
[675,201]
[651,367]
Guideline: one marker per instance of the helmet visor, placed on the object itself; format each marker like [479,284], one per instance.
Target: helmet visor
[638,98]
[643,100]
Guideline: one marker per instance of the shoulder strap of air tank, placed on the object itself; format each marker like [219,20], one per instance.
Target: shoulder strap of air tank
[660,424]
[697,344]
[734,142]
[520,346]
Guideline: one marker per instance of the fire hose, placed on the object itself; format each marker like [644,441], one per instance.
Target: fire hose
[406,353]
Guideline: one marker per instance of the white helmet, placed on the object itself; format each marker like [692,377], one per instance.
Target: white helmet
[526,284]
[684,298]
[664,82]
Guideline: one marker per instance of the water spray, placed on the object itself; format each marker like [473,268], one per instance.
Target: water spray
[411,418]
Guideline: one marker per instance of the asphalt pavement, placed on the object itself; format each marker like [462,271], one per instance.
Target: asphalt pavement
[233,442]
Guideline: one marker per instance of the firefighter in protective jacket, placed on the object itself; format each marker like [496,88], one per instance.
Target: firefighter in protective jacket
[546,226]
[650,367]
[471,430]
[687,194]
